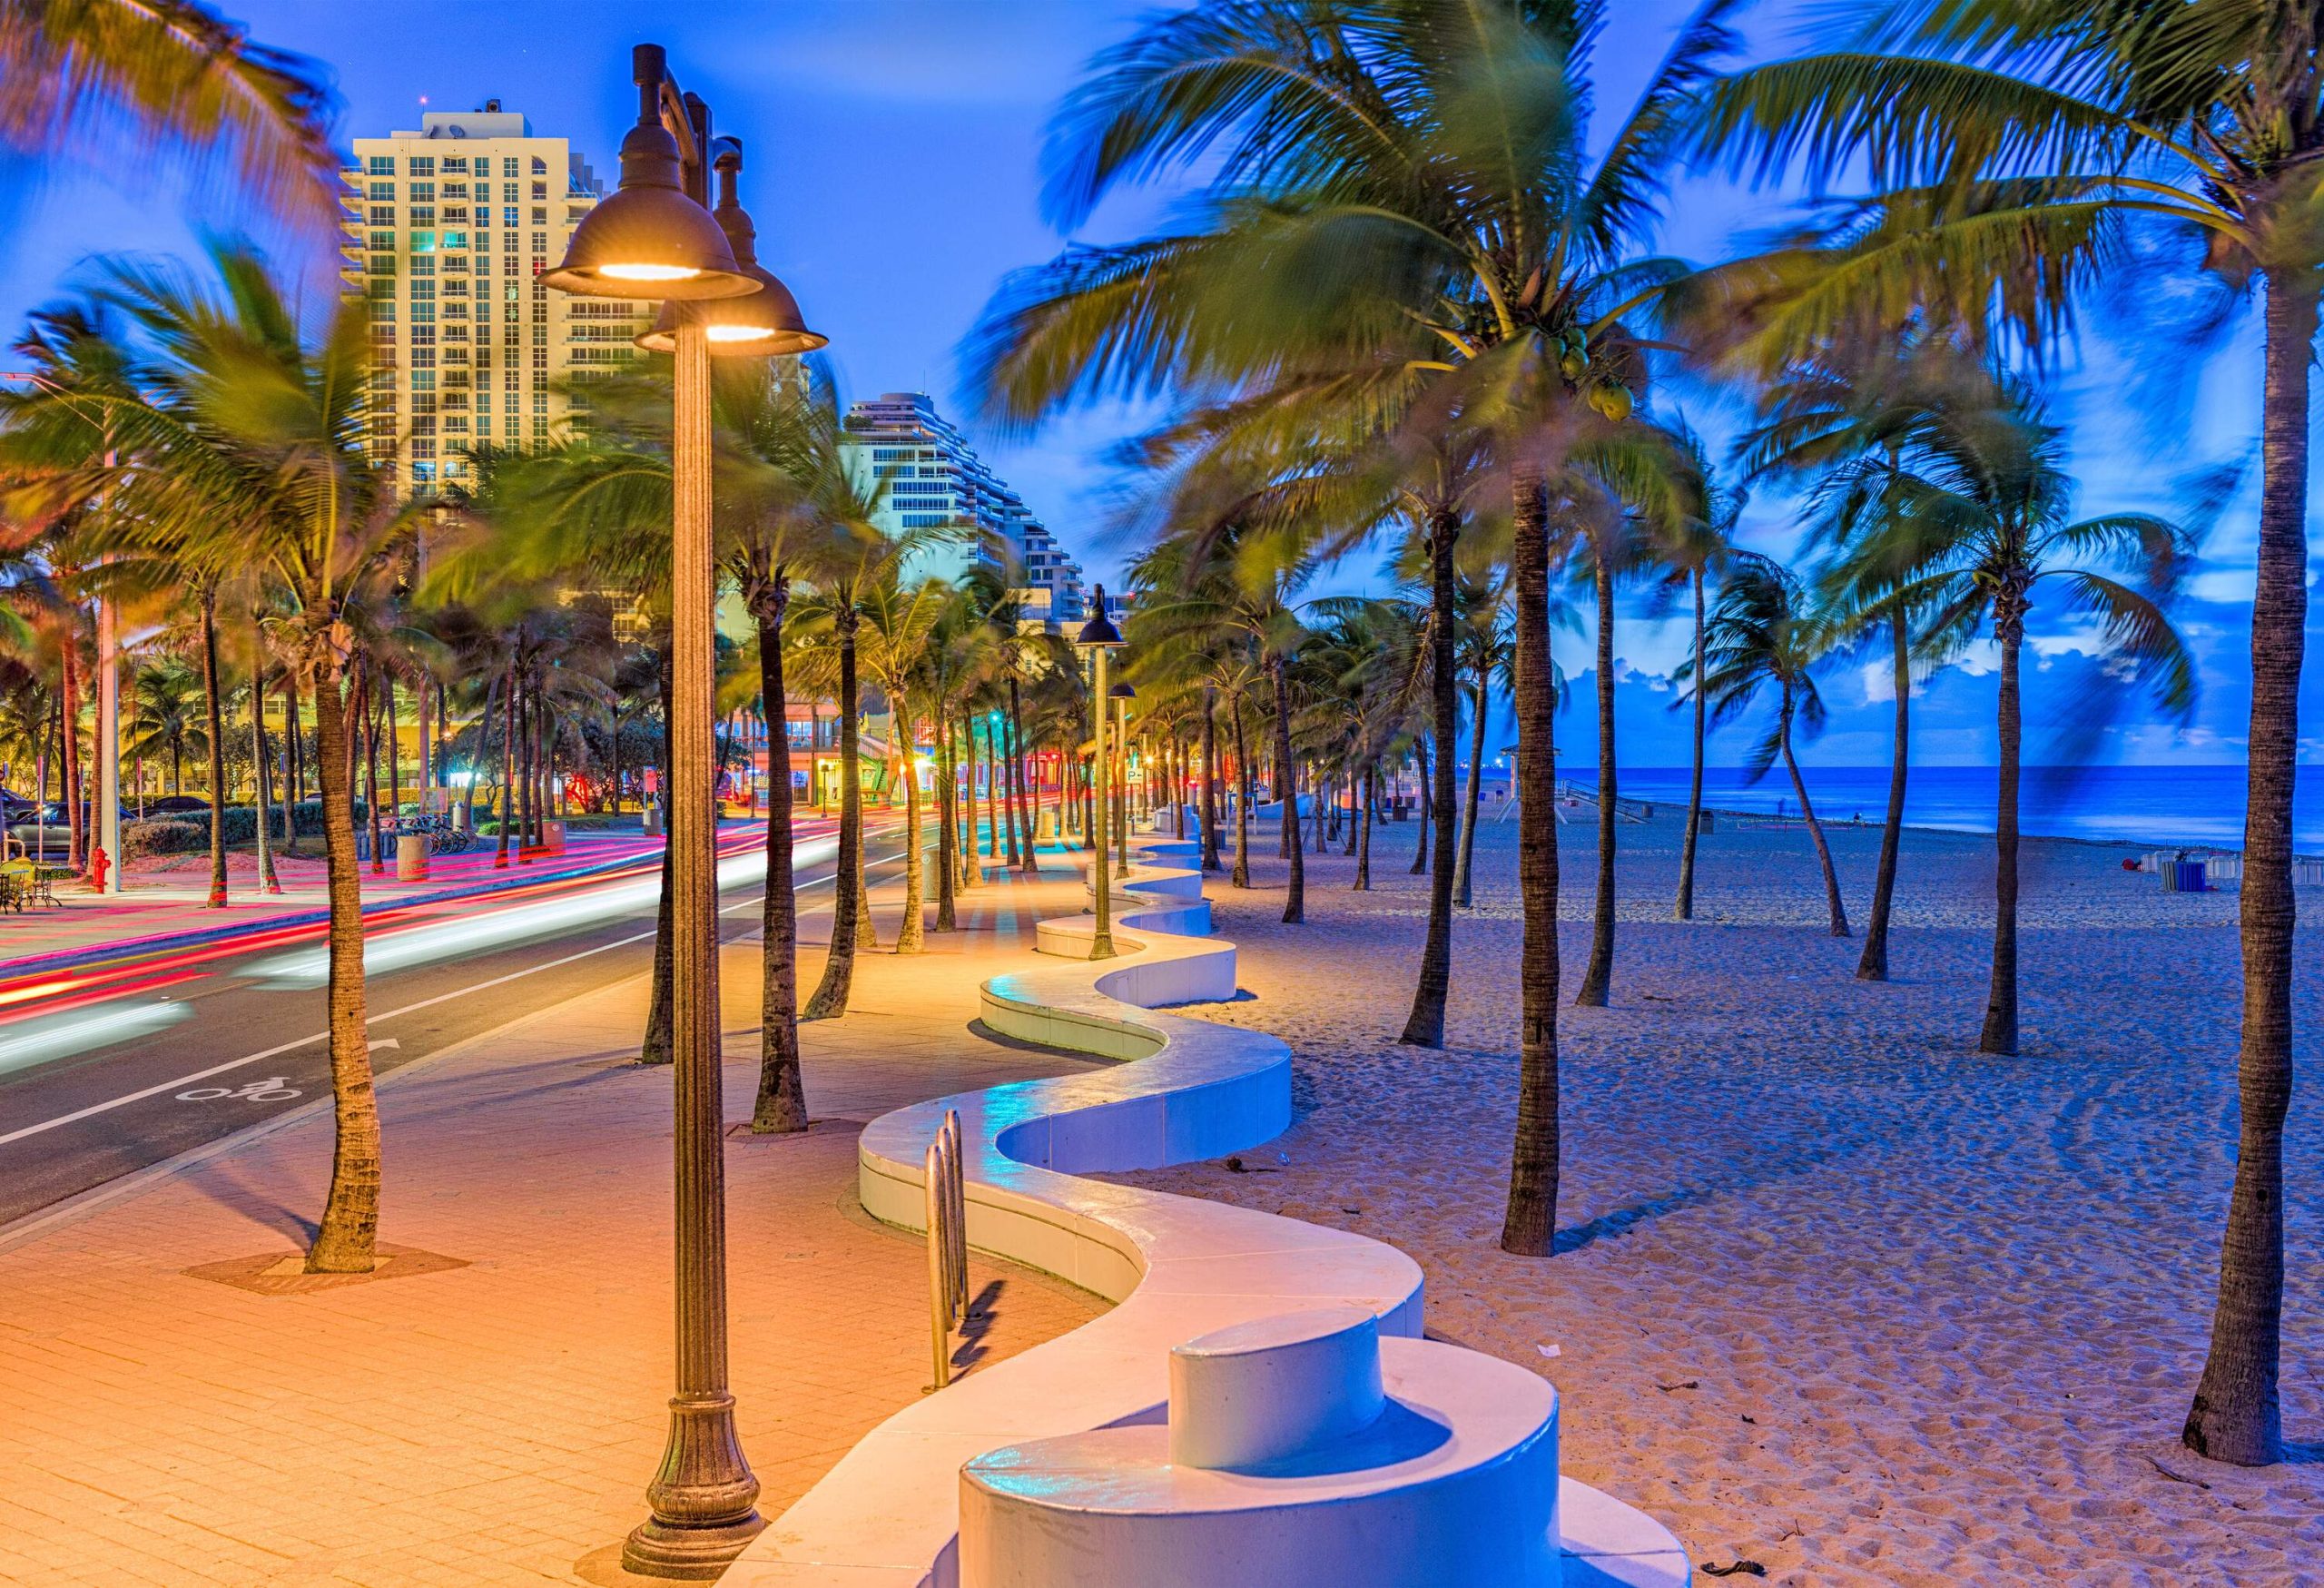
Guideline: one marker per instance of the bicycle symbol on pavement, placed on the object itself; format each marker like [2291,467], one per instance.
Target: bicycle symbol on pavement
[256,1091]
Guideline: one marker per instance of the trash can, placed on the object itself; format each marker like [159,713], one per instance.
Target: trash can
[459,817]
[553,837]
[411,857]
[653,820]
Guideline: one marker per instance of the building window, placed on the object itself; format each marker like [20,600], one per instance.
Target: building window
[455,241]
[383,264]
[540,189]
[540,242]
[540,215]
[383,214]
[455,190]
[383,242]
[383,192]
[456,215]
[423,292]
[423,242]
[423,214]
[423,193]
[424,265]
[540,166]
[423,165]
[458,165]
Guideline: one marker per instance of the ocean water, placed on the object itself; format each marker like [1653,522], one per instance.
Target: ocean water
[2143,804]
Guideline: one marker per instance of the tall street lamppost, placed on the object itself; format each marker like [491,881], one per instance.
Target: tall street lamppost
[1120,695]
[1099,638]
[656,238]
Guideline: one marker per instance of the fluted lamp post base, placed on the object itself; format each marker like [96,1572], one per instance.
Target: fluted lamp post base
[705,1498]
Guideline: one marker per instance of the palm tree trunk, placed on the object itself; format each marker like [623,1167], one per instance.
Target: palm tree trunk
[1478,701]
[659,1044]
[947,827]
[1874,965]
[262,775]
[370,720]
[1022,812]
[781,1104]
[1815,829]
[76,846]
[214,719]
[294,750]
[1424,1026]
[989,847]
[2000,1033]
[1355,797]
[508,772]
[1685,908]
[344,1240]
[2236,1414]
[1530,1227]
[1209,778]
[1295,902]
[1597,976]
[395,750]
[909,938]
[1363,831]
[1427,809]
[1246,786]
[831,995]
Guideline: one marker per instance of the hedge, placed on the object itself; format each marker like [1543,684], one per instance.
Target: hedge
[141,838]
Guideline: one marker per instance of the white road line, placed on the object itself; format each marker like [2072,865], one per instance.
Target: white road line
[200,1075]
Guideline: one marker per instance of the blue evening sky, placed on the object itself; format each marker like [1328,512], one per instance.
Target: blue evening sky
[894,151]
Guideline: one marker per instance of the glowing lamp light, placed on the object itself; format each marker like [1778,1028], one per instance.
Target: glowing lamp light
[648,273]
[649,239]
[764,324]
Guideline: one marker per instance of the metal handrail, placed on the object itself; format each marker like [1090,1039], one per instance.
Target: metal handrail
[945,1191]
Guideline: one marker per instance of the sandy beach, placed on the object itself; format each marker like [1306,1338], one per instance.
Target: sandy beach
[1836,1294]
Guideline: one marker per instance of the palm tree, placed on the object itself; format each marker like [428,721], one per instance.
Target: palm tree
[1763,633]
[2012,143]
[1404,188]
[898,628]
[142,81]
[1845,419]
[1696,556]
[250,416]
[1486,650]
[1984,521]
[164,719]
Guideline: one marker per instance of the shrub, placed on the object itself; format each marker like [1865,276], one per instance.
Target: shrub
[163,836]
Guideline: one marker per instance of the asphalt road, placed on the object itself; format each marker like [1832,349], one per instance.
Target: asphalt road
[110,1068]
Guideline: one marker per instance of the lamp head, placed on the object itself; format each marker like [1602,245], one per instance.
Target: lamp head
[767,323]
[1098,634]
[1121,691]
[649,239]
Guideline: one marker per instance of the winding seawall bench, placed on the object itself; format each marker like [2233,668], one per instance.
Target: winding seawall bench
[1176,1267]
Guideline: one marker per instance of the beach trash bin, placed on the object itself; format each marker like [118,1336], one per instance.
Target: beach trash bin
[459,818]
[411,857]
[553,837]
[2192,878]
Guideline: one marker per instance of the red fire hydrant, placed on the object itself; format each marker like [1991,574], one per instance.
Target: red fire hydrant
[100,863]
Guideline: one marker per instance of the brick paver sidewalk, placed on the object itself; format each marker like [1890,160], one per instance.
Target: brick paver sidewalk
[491,1422]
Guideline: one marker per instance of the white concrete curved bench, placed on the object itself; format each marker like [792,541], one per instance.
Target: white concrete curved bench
[887,1516]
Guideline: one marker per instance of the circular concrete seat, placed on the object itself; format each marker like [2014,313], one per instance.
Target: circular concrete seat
[1301,1451]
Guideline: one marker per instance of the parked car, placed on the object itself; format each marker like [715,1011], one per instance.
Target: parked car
[177,805]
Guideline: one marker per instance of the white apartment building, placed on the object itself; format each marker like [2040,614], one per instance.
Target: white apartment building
[928,477]
[445,232]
